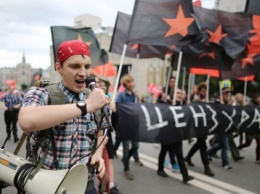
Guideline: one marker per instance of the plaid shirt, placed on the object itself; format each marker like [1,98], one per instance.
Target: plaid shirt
[73,142]
[10,100]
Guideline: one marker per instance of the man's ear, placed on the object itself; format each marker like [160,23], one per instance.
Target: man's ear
[58,67]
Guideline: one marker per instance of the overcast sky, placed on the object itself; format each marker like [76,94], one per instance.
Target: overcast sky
[25,25]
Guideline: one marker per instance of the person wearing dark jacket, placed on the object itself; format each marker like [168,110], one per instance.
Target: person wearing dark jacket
[250,136]
[11,104]
[201,141]
[222,138]
[177,149]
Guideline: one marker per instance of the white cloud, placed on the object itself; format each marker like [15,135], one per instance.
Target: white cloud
[25,25]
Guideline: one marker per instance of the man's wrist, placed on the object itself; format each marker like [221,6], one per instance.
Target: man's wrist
[82,105]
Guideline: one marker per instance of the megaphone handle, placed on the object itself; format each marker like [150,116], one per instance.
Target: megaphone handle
[92,169]
[20,143]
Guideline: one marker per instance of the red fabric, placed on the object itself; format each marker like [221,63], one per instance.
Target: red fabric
[72,47]
[10,83]
[247,78]
[197,3]
[215,73]
[199,71]
[155,90]
[106,70]
[106,160]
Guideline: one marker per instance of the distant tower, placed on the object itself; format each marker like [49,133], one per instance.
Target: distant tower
[23,58]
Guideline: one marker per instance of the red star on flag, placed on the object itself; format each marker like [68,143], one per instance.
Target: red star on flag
[80,38]
[217,36]
[134,47]
[248,60]
[178,25]
[212,55]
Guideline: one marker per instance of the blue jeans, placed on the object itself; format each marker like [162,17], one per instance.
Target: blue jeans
[127,152]
[172,155]
[92,191]
[91,188]
[223,145]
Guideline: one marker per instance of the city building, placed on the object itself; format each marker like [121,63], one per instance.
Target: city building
[231,6]
[22,73]
[224,5]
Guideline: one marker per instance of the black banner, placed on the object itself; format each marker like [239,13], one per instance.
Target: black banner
[162,123]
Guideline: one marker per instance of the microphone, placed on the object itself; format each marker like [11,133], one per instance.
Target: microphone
[91,83]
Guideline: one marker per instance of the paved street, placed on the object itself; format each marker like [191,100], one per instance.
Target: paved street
[244,179]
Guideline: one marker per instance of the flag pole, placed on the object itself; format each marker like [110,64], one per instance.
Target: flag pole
[220,89]
[208,78]
[183,78]
[119,73]
[177,78]
[105,69]
[245,90]
[137,56]
[168,78]
[220,93]
[189,89]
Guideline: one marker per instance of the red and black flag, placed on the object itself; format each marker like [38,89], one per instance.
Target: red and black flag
[36,77]
[253,6]
[119,39]
[248,62]
[242,68]
[161,22]
[213,57]
[226,29]
[62,33]
[253,46]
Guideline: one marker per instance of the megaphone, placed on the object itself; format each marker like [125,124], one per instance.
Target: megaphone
[69,181]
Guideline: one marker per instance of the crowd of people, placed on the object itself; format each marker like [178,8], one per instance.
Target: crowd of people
[220,141]
[76,141]
[207,148]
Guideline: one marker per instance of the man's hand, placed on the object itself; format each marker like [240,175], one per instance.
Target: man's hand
[97,160]
[96,100]
[17,106]
[164,96]
[112,106]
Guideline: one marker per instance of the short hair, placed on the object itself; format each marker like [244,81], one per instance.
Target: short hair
[255,95]
[202,85]
[126,79]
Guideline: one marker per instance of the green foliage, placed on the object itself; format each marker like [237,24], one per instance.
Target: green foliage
[252,86]
[24,86]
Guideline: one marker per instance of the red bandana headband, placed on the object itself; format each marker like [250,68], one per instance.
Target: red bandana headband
[70,48]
